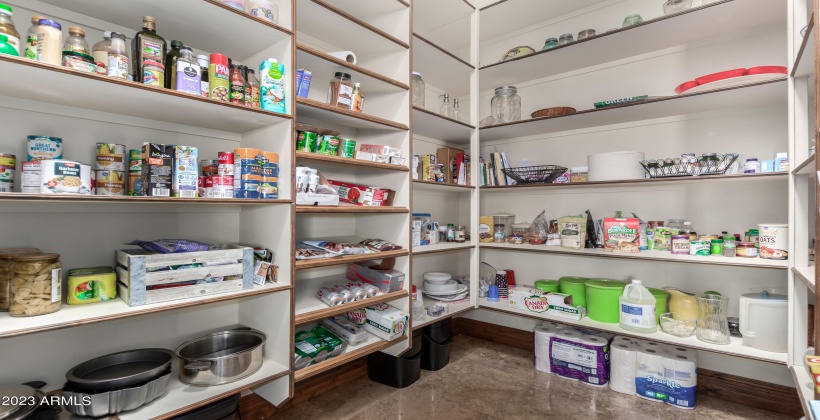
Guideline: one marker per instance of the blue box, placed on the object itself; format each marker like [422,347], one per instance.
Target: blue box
[304,84]
[767,166]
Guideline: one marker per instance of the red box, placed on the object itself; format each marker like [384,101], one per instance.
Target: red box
[622,235]
[361,195]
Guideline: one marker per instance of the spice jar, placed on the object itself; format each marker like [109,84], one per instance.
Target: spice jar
[418,90]
[550,43]
[498,233]
[35,284]
[451,232]
[565,39]
[6,273]
[717,246]
[506,105]
[340,92]
[746,250]
[579,174]
[460,236]
[729,246]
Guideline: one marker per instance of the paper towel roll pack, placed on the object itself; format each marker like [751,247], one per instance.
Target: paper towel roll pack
[661,372]
[543,333]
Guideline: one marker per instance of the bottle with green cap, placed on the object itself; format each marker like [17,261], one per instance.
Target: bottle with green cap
[5,47]
[7,28]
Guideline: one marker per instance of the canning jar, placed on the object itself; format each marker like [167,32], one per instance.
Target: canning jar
[7,27]
[729,246]
[586,33]
[579,174]
[35,284]
[76,41]
[632,20]
[549,44]
[675,224]
[498,233]
[6,273]
[418,90]
[460,234]
[565,39]
[506,105]
[746,250]
[676,6]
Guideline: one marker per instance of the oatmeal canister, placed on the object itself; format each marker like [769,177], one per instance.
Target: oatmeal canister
[110,156]
[44,147]
[774,241]
[35,284]
[6,273]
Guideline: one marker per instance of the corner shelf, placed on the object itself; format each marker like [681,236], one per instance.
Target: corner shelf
[430,124]
[804,61]
[312,59]
[643,256]
[441,187]
[713,20]
[119,96]
[455,309]
[646,182]
[372,345]
[440,68]
[340,161]
[806,275]
[344,30]
[806,167]
[319,110]
[347,259]
[441,247]
[746,95]
[734,348]
[308,307]
[351,209]
[125,199]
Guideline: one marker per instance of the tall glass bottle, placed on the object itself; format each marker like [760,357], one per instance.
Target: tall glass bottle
[446,109]
[418,90]
[171,58]
[147,45]
[456,110]
[187,73]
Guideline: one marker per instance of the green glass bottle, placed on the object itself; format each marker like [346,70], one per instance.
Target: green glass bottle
[147,46]
[170,59]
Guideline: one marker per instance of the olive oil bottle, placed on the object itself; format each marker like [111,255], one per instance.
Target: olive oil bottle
[147,46]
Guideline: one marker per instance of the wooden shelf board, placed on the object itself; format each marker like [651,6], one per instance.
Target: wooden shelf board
[327,262]
[715,21]
[76,315]
[439,186]
[806,275]
[180,397]
[806,167]
[773,91]
[38,81]
[125,199]
[651,256]
[650,181]
[735,348]
[441,68]
[321,111]
[372,345]
[441,247]
[310,308]
[338,160]
[370,10]
[349,208]
[455,310]
[430,124]
[805,388]
[804,61]
[313,59]
[206,32]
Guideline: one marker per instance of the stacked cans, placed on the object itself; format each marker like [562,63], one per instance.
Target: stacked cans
[269,186]
[110,169]
[134,172]
[217,179]
[315,346]
[7,165]
[30,178]
[347,293]
[247,172]
[329,145]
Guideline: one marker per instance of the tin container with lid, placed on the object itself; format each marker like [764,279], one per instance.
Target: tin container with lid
[35,284]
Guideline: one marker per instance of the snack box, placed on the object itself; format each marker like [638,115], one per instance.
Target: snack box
[361,195]
[386,280]
[91,285]
[386,322]
[186,171]
[622,234]
[378,149]
[559,305]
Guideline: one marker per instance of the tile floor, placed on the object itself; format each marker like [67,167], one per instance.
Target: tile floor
[485,380]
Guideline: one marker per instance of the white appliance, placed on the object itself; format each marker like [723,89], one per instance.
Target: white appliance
[764,321]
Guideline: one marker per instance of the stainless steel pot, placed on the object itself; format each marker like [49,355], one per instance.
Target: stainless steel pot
[26,402]
[221,357]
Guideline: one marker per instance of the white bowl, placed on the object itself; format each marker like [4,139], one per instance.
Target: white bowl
[448,286]
[434,277]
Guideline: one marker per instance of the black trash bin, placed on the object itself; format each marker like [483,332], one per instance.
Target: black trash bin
[224,409]
[397,372]
[435,356]
[415,346]
[440,332]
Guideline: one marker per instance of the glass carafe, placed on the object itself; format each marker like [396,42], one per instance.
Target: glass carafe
[418,90]
[506,105]
[712,326]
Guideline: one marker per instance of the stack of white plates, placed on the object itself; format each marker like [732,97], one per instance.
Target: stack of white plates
[615,166]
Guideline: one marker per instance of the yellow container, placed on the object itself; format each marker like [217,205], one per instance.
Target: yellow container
[91,285]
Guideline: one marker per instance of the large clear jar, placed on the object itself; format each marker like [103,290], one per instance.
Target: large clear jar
[50,42]
[7,27]
[419,89]
[6,273]
[76,41]
[506,105]
[35,284]
[676,224]
[100,53]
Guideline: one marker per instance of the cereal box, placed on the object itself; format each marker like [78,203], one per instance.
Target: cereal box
[622,235]
[186,173]
[386,322]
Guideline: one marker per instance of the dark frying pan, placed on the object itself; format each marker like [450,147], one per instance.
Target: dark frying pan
[125,369]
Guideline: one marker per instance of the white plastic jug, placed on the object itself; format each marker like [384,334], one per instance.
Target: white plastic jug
[637,307]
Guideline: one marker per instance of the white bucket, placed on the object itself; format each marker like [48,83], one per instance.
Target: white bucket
[774,241]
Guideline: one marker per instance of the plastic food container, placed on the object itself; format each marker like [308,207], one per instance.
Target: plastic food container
[576,287]
[603,300]
[79,61]
[551,286]
[35,285]
[661,300]
[6,273]
[681,327]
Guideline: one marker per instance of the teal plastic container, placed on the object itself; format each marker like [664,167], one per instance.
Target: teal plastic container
[602,300]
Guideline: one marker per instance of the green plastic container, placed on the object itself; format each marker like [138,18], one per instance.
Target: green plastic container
[576,287]
[661,300]
[5,47]
[602,300]
[550,286]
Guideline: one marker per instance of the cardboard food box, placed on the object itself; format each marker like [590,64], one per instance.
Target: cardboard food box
[386,280]
[361,195]
[622,235]
[157,169]
[559,305]
[378,149]
[386,322]
[186,172]
[446,155]
[485,229]
[371,157]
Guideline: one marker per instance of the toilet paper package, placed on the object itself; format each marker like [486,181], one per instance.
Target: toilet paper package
[581,357]
[666,374]
[543,334]
[623,366]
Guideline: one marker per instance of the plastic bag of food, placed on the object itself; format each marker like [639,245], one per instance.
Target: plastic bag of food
[573,231]
[339,248]
[171,246]
[539,230]
[380,245]
[305,251]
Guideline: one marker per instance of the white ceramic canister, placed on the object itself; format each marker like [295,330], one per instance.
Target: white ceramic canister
[774,241]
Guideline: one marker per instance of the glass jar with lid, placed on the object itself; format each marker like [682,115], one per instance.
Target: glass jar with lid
[340,92]
[460,234]
[76,41]
[418,90]
[498,233]
[675,224]
[35,284]
[506,105]
[6,273]
[7,27]
[549,44]
[565,39]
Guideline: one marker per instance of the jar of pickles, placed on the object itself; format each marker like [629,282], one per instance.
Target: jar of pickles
[6,257]
[35,284]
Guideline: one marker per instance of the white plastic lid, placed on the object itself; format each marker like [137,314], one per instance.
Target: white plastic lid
[636,282]
[577,169]
[107,34]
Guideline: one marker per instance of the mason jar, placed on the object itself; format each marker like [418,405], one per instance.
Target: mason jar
[418,90]
[506,105]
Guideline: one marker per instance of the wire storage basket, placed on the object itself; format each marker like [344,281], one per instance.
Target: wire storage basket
[706,164]
[541,174]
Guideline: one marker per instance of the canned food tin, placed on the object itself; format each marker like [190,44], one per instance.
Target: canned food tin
[134,183]
[330,297]
[200,186]
[209,186]
[306,141]
[110,182]
[269,185]
[357,291]
[64,177]
[700,248]
[208,167]
[774,241]
[221,186]
[44,147]
[135,160]
[329,146]
[111,157]
[247,189]
[347,295]
[372,291]
[225,164]
[348,148]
